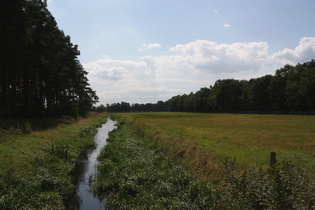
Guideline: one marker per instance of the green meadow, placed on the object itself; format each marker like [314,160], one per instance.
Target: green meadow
[246,139]
[163,161]
[207,161]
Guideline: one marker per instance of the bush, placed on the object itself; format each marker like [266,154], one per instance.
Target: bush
[282,187]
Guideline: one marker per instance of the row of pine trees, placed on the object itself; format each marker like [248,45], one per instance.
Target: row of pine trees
[40,74]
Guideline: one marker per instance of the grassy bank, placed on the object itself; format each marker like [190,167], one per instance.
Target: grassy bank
[135,174]
[140,169]
[37,158]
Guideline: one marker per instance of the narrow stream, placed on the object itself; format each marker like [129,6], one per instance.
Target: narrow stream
[84,199]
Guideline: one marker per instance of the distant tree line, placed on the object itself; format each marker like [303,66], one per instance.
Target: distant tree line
[40,74]
[127,107]
[290,90]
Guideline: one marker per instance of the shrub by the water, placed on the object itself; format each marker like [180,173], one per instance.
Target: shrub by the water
[282,187]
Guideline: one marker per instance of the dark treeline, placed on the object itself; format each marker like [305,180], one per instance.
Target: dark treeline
[40,74]
[290,90]
[126,107]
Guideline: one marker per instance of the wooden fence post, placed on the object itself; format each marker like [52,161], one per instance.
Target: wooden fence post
[273,159]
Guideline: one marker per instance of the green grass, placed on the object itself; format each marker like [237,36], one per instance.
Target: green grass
[248,139]
[139,169]
[17,149]
[135,174]
[35,170]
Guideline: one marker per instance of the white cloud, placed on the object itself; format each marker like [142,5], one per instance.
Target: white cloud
[151,46]
[188,68]
[112,73]
[210,57]
[304,52]
[135,81]
[215,11]
[226,25]
[110,69]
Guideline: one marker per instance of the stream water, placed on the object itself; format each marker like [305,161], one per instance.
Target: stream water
[84,199]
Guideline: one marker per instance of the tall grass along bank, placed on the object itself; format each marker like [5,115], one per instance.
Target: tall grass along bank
[36,168]
[135,174]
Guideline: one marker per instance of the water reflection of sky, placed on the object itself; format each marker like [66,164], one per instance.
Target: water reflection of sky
[85,199]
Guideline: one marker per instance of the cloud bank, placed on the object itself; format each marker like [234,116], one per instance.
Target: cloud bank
[188,67]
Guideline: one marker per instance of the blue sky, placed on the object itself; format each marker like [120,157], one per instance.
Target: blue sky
[144,51]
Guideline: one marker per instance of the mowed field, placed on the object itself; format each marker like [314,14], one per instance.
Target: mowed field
[246,138]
